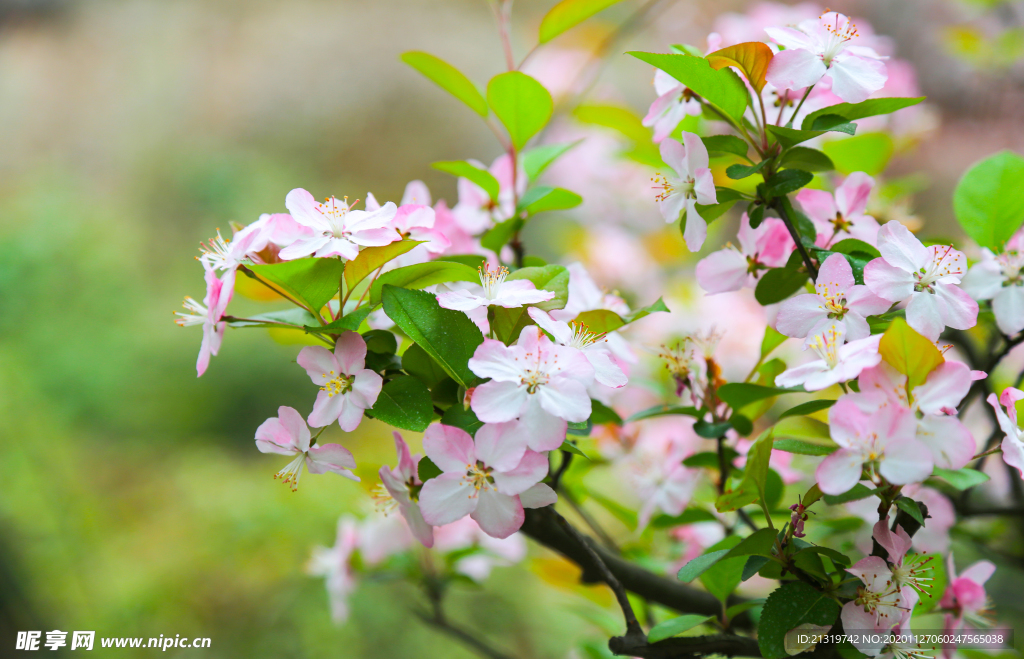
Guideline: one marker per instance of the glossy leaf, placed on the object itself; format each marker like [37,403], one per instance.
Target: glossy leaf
[448,78]
[543,198]
[741,394]
[722,87]
[725,144]
[371,258]
[869,108]
[790,137]
[313,281]
[664,410]
[787,181]
[777,284]
[810,407]
[537,159]
[521,103]
[417,363]
[752,486]
[554,278]
[674,627]
[803,448]
[404,403]
[989,199]
[961,479]
[468,170]
[422,275]
[737,172]
[807,159]
[793,604]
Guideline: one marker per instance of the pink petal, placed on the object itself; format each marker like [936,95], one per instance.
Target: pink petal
[839,472]
[350,352]
[852,195]
[543,432]
[450,448]
[333,458]
[901,249]
[538,496]
[795,69]
[447,498]
[500,447]
[519,292]
[697,160]
[273,437]
[704,186]
[461,300]
[532,468]
[365,389]
[924,314]
[351,415]
[497,402]
[905,462]
[320,364]
[817,204]
[1008,306]
[326,410]
[800,314]
[606,371]
[295,425]
[303,209]
[696,228]
[944,388]
[723,271]
[406,467]
[951,443]
[863,301]
[888,282]
[959,310]
[493,359]
[674,155]
[498,515]
[835,276]
[565,398]
[855,78]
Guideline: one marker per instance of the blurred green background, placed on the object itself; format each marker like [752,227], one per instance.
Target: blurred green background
[133,501]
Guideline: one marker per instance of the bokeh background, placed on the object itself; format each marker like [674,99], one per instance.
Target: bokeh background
[132,499]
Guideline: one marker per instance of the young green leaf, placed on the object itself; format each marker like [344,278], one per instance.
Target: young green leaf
[856,493]
[725,144]
[537,159]
[777,284]
[803,448]
[349,322]
[741,394]
[961,479]
[664,410]
[422,275]
[787,181]
[738,171]
[869,108]
[404,403]
[810,407]
[910,507]
[448,78]
[521,103]
[313,281]
[554,278]
[371,258]
[772,340]
[909,352]
[723,577]
[989,199]
[460,417]
[468,170]
[722,87]
[755,475]
[697,566]
[807,159]
[568,14]
[790,137]
[543,198]
[569,447]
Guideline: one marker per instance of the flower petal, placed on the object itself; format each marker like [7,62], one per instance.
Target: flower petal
[447,498]
[450,448]
[498,515]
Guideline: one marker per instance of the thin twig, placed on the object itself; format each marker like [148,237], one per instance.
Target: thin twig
[812,270]
[606,539]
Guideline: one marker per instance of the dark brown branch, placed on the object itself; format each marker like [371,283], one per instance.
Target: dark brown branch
[780,208]
[686,646]
[541,526]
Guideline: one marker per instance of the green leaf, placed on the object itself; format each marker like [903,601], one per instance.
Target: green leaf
[730,144]
[554,278]
[807,159]
[721,578]
[422,275]
[869,108]
[371,258]
[417,363]
[501,233]
[572,448]
[989,199]
[709,430]
[856,493]
[759,543]
[868,153]
[793,604]
[753,566]
[772,340]
[381,342]
[709,459]
[568,14]
[786,181]
[790,137]
[910,507]
[620,119]
[854,246]
[508,324]
[448,78]
[697,566]
[448,336]
[460,417]
[603,320]
[643,312]
[468,170]
[743,171]
[803,448]
[426,469]
[741,394]
[543,198]
[909,352]
[293,318]
[723,88]
[810,407]
[521,103]
[537,159]
[674,627]
[313,281]
[601,414]
[620,512]
[349,322]
[836,557]
[737,609]
[664,410]
[755,475]
[961,479]
[404,402]
[835,123]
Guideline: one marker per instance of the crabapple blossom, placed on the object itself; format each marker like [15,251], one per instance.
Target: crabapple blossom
[965,598]
[593,346]
[346,387]
[209,314]
[691,184]
[1013,443]
[494,290]
[335,564]
[485,552]
[906,573]
[415,219]
[841,215]
[538,382]
[338,230]
[838,300]
[838,362]
[732,268]
[999,278]
[402,485]
[661,481]
[879,603]
[586,295]
[819,48]
[480,478]
[476,211]
[674,102]
[884,440]
[287,434]
[928,276]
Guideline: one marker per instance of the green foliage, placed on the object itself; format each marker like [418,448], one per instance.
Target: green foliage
[743,171]
[371,258]
[426,469]
[868,153]
[699,565]
[417,363]
[777,284]
[989,199]
[468,170]
[961,479]
[790,137]
[448,336]
[869,108]
[722,577]
[674,627]
[909,352]
[910,507]
[664,410]
[793,604]
[569,447]
[348,322]
[803,448]
[313,281]
[404,402]
[741,394]
[751,58]
[459,416]
[568,14]
[772,340]
[422,275]
[604,320]
[554,278]
[752,486]
[723,88]
[521,103]
[726,198]
[856,493]
[543,198]
[725,144]
[807,159]
[787,181]
[448,78]
[537,159]
[810,407]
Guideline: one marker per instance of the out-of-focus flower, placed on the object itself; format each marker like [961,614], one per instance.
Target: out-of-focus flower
[209,314]
[346,388]
[476,211]
[338,230]
[402,485]
[481,479]
[692,184]
[489,551]
[654,468]
[1013,443]
[928,276]
[541,384]
[335,565]
[287,434]
[965,598]
[819,48]
[837,363]
[999,278]
[841,216]
[838,301]
[884,440]
[732,268]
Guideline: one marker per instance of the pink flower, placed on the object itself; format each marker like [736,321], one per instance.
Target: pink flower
[965,595]
[485,552]
[1013,442]
[661,481]
[817,48]
[346,388]
[586,295]
[593,346]
[692,184]
[415,219]
[999,278]
[476,211]
[540,383]
[928,276]
[837,363]
[287,434]
[884,440]
[838,300]
[841,216]
[905,573]
[335,565]
[481,479]
[671,106]
[493,291]
[933,537]
[879,603]
[209,314]
[338,230]
[732,268]
[402,485]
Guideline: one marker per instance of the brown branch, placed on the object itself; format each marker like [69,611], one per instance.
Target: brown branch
[687,646]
